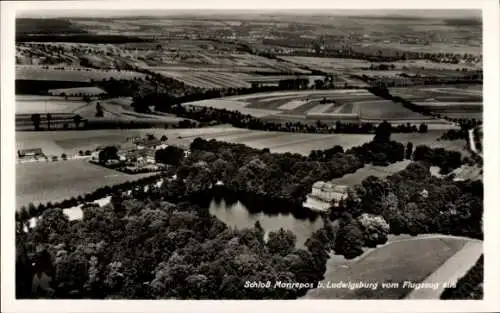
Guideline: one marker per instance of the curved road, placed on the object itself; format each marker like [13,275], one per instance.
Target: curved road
[450,271]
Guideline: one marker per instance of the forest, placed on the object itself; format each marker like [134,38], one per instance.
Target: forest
[184,251]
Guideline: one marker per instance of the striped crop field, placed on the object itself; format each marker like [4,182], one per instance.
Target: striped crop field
[291,105]
[320,108]
[328,64]
[222,79]
[461,101]
[207,79]
[464,93]
[329,105]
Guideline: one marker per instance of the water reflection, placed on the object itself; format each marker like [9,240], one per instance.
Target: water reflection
[236,214]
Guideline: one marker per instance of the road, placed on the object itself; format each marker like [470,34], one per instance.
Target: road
[451,271]
[473,143]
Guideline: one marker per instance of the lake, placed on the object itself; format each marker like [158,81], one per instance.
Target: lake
[239,216]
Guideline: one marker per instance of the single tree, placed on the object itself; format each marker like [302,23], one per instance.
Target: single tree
[423,128]
[409,150]
[383,132]
[99,110]
[77,119]
[375,229]
[49,118]
[35,118]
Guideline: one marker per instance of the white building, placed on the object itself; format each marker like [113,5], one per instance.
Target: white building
[328,192]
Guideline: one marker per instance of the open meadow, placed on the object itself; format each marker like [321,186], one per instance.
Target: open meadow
[402,259]
[55,181]
[46,104]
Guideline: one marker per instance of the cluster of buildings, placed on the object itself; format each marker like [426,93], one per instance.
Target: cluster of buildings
[140,150]
[138,154]
[30,154]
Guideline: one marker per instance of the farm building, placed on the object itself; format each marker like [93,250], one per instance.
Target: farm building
[328,192]
[28,153]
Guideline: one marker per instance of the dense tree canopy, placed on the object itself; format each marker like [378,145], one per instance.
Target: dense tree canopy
[184,253]
[415,202]
[170,155]
[108,153]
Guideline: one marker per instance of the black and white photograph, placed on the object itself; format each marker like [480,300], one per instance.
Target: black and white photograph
[248,154]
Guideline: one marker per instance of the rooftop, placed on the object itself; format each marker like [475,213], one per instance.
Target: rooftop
[330,186]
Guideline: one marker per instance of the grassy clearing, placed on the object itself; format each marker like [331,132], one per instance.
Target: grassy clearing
[370,170]
[411,260]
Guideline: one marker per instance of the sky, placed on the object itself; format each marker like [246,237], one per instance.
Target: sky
[108,13]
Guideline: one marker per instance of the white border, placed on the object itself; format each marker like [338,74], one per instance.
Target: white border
[491,301]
